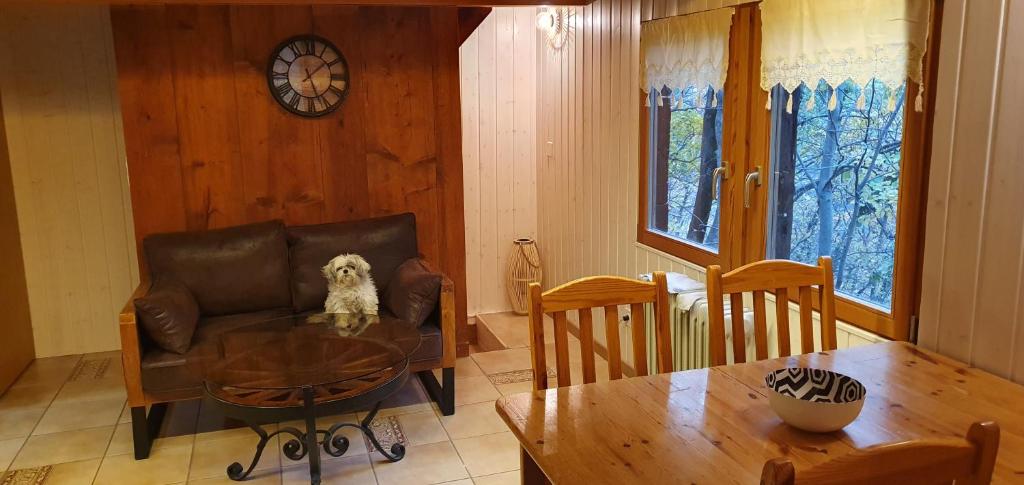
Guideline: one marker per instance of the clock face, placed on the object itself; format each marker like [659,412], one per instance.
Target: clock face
[308,76]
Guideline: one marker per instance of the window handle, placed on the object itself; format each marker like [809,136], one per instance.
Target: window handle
[717,176]
[753,178]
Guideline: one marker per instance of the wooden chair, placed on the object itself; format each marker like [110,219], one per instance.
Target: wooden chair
[583,295]
[969,462]
[771,275]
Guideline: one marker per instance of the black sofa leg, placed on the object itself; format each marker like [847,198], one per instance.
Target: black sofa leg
[444,392]
[146,428]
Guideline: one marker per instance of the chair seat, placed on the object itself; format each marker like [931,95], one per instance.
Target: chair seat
[164,371]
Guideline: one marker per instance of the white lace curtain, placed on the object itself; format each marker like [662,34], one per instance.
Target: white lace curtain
[689,50]
[804,41]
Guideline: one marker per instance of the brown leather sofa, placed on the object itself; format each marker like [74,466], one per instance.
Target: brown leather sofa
[243,275]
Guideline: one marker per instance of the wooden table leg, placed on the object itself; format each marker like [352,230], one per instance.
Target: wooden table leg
[532,474]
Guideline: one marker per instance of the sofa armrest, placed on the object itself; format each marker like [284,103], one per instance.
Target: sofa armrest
[131,347]
[448,349]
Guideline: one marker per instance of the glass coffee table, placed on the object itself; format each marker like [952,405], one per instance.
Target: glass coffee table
[303,367]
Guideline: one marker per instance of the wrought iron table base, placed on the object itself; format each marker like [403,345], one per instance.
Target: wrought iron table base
[309,443]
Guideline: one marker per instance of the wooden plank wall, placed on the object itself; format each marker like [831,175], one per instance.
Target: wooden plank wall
[587,149]
[208,147]
[498,65]
[972,302]
[16,326]
[67,162]
[587,123]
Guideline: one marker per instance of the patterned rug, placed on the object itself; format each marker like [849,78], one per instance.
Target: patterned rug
[91,369]
[516,376]
[388,432]
[27,476]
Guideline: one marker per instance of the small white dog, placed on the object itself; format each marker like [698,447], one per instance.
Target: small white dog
[350,287]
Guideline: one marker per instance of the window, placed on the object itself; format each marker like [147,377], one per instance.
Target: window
[687,141]
[685,121]
[833,168]
[835,185]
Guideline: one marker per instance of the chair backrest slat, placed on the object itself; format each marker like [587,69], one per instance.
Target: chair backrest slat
[606,292]
[761,277]
[587,344]
[827,303]
[716,315]
[536,311]
[611,331]
[806,321]
[638,320]
[760,326]
[562,349]
[739,341]
[926,461]
[782,320]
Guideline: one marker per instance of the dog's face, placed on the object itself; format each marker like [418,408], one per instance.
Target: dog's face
[347,270]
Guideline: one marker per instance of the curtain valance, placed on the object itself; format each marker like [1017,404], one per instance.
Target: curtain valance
[804,41]
[689,50]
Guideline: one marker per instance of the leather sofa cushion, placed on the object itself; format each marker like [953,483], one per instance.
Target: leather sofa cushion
[168,371]
[413,291]
[233,270]
[385,243]
[431,345]
[164,371]
[169,315]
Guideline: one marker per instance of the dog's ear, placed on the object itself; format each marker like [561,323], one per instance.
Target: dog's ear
[328,272]
[363,266]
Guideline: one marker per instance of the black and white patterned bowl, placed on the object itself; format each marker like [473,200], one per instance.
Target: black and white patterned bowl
[814,399]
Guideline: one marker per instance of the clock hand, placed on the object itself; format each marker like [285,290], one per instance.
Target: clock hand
[309,74]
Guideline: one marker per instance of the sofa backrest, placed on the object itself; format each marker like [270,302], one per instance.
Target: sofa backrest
[232,270]
[385,243]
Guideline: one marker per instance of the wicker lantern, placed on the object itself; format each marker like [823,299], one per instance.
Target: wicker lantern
[523,269]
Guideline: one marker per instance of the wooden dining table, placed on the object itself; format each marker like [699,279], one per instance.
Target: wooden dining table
[715,425]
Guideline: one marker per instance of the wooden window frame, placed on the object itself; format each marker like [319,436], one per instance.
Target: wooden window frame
[743,236]
[733,115]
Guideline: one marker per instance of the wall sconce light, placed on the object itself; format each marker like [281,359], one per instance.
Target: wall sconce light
[554,23]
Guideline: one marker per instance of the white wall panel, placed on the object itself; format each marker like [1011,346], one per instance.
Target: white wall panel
[498,67]
[588,129]
[973,283]
[67,160]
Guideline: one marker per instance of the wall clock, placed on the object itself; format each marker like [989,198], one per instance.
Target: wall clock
[307,75]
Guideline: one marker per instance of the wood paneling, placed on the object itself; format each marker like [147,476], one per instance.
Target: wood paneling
[499,109]
[17,322]
[972,297]
[587,144]
[422,3]
[208,146]
[67,164]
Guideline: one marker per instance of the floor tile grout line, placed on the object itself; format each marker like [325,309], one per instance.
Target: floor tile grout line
[31,432]
[192,451]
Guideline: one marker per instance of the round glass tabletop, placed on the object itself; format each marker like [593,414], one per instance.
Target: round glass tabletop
[338,351]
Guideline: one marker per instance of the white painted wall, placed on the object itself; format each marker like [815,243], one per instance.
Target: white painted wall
[973,285]
[70,180]
[588,132]
[498,67]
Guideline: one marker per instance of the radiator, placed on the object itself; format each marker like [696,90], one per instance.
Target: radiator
[689,325]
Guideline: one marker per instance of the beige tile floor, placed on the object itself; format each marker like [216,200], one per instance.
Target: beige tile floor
[65,422]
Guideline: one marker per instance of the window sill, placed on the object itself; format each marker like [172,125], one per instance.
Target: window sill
[677,249]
